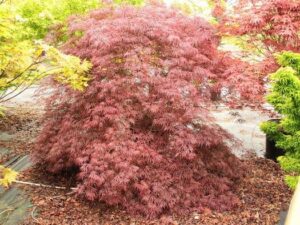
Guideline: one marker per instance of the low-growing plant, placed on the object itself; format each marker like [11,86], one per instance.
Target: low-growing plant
[285,97]
[140,135]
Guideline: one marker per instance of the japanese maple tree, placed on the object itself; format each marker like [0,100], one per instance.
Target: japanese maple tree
[267,26]
[272,26]
[140,135]
[276,23]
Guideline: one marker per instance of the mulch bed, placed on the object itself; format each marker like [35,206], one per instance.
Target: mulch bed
[262,192]
[23,124]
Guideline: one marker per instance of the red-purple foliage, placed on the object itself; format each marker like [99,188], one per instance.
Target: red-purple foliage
[140,134]
[269,25]
[274,22]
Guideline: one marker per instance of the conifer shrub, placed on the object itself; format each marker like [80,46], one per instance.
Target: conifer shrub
[285,97]
[140,135]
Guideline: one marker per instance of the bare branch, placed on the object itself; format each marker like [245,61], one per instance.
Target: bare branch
[42,185]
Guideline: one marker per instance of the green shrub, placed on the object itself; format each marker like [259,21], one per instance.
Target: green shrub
[285,97]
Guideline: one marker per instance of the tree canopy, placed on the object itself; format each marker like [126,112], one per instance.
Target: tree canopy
[140,135]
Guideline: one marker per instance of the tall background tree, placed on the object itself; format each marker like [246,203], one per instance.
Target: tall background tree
[276,23]
[23,60]
[274,28]
[266,28]
[26,56]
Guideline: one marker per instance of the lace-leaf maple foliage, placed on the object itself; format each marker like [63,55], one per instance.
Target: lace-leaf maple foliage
[140,135]
[274,28]
[276,23]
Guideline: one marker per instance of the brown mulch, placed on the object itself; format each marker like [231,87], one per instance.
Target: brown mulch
[23,124]
[262,192]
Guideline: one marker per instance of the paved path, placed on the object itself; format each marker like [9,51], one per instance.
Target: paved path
[242,124]
[15,205]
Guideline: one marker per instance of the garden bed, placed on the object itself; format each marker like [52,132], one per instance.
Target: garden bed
[262,192]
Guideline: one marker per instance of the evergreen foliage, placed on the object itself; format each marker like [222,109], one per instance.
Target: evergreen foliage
[285,97]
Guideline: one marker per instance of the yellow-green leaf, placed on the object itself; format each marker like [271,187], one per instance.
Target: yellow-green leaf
[7,176]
